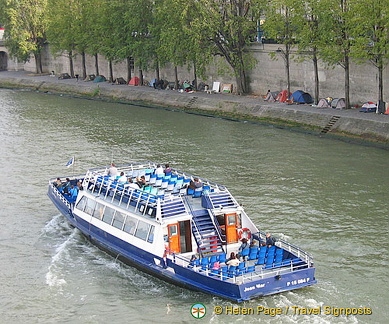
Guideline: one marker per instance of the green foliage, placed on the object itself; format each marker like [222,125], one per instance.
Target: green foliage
[225,28]
[26,24]
[192,33]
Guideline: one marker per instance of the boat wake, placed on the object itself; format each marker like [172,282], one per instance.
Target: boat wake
[54,275]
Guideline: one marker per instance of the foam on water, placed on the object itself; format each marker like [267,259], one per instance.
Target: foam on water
[54,275]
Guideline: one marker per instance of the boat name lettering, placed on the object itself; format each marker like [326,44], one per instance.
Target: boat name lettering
[257,286]
[297,281]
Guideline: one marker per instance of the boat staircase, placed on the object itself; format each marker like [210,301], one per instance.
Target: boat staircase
[207,233]
[331,123]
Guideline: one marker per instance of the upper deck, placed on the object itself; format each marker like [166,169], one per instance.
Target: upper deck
[163,196]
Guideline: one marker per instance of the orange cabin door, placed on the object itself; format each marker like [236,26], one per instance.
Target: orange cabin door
[232,228]
[174,238]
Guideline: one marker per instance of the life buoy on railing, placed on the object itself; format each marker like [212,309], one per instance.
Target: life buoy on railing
[244,233]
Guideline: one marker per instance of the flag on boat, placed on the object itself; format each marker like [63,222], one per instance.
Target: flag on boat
[70,162]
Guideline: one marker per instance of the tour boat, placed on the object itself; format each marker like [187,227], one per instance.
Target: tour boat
[178,232]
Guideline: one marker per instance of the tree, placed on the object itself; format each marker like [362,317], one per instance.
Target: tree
[177,43]
[279,25]
[62,29]
[226,28]
[371,21]
[25,32]
[309,28]
[142,42]
[337,42]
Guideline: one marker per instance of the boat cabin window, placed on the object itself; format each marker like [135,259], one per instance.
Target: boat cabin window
[98,211]
[130,225]
[142,230]
[118,220]
[90,206]
[108,215]
[150,239]
[81,203]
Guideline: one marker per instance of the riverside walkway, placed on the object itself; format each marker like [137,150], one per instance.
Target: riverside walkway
[324,121]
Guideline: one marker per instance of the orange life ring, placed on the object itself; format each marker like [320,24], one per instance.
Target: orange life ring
[244,233]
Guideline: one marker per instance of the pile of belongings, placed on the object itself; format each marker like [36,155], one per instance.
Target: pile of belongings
[64,76]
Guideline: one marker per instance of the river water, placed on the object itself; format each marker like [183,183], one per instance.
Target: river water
[327,196]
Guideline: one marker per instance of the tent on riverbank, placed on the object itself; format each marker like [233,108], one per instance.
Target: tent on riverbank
[302,97]
[338,103]
[324,103]
[134,81]
[99,78]
[283,96]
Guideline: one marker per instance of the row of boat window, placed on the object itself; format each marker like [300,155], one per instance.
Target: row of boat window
[115,218]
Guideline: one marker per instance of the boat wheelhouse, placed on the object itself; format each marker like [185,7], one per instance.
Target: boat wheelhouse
[161,226]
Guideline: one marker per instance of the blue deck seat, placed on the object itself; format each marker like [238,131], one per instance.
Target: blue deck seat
[245,253]
[269,260]
[154,191]
[153,178]
[242,267]
[164,183]
[260,261]
[224,273]
[158,181]
[278,258]
[253,253]
[204,263]
[190,191]
[232,271]
[222,258]
[214,272]
[171,184]
[213,259]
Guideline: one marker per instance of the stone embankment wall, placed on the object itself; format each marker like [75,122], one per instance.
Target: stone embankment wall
[350,124]
[267,74]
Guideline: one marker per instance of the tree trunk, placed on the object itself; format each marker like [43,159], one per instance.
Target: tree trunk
[71,65]
[195,75]
[83,65]
[97,64]
[140,77]
[241,82]
[38,62]
[157,71]
[128,69]
[287,66]
[380,67]
[347,81]
[241,77]
[316,74]
[176,77]
[110,71]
